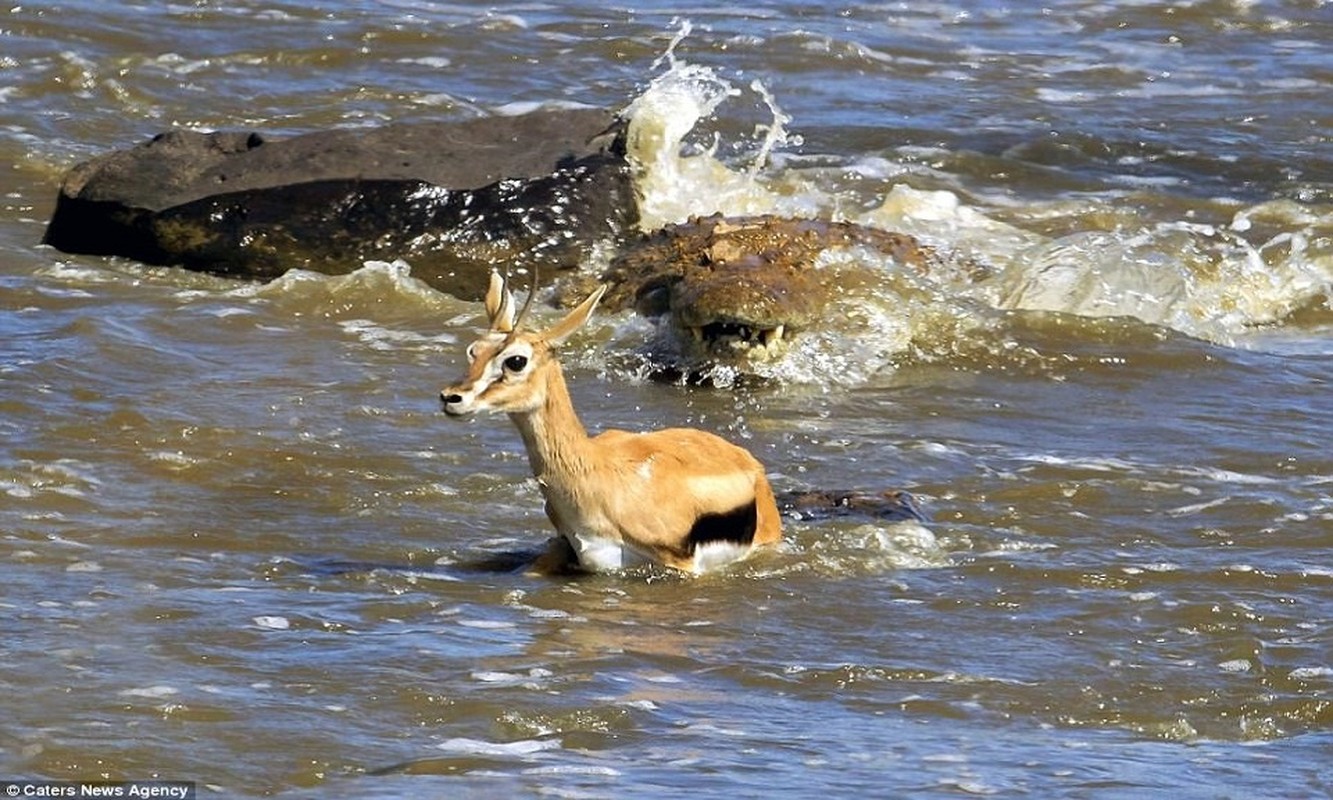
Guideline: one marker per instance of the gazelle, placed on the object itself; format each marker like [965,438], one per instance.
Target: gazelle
[680,497]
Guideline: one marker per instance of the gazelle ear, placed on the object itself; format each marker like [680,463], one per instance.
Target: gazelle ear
[500,304]
[575,319]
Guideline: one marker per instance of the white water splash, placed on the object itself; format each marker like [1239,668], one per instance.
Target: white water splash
[479,747]
[875,548]
[675,181]
[1218,283]
[1201,280]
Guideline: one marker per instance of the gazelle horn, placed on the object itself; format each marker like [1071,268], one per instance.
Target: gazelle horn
[522,312]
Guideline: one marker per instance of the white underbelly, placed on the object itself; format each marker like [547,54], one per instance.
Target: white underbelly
[600,554]
[712,555]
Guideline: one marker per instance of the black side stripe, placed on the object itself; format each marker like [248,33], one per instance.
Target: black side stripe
[736,526]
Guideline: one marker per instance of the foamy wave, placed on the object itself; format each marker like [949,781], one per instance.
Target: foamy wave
[1202,280]
[840,549]
[379,290]
[675,180]
[1215,282]
[479,747]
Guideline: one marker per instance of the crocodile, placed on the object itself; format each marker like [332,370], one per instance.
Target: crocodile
[458,199]
[454,198]
[741,289]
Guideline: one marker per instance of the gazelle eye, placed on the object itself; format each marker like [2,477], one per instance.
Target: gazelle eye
[516,363]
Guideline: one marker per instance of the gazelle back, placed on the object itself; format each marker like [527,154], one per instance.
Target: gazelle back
[680,497]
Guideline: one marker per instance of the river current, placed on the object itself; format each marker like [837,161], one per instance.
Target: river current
[241,545]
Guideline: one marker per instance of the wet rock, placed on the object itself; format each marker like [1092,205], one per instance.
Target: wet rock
[451,198]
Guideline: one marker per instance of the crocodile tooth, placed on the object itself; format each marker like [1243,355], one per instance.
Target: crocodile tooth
[772,336]
[697,333]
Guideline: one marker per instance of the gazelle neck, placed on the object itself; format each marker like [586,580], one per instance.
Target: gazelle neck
[555,439]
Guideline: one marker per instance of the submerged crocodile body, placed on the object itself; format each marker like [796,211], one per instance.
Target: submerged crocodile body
[454,198]
[458,199]
[740,289]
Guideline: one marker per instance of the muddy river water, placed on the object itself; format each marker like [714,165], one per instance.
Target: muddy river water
[240,544]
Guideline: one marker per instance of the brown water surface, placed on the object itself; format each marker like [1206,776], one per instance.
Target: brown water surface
[240,545]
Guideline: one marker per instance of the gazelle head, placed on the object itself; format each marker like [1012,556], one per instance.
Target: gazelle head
[508,368]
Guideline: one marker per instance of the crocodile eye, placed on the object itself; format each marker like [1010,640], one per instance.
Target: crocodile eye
[516,363]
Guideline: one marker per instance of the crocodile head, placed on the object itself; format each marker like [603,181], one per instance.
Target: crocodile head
[733,311]
[740,292]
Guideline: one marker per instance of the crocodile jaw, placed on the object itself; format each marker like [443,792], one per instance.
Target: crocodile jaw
[736,341]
